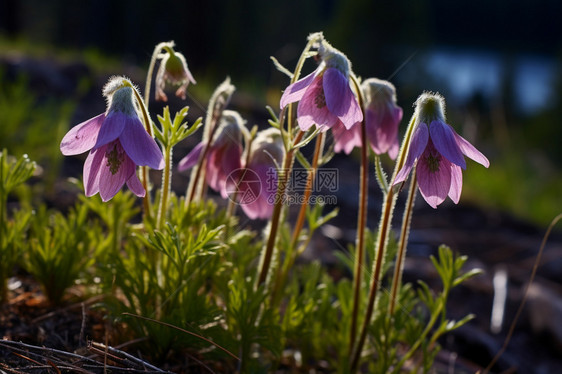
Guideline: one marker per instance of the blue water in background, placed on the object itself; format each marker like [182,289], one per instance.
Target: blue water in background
[460,74]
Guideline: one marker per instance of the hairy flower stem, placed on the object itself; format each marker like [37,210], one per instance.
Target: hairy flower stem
[361,221]
[381,244]
[287,167]
[402,244]
[148,126]
[284,176]
[165,191]
[291,256]
[150,72]
[308,189]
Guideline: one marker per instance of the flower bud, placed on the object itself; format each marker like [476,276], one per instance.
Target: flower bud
[173,69]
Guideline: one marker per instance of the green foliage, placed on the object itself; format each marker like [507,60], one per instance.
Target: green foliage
[417,323]
[174,131]
[61,249]
[33,125]
[535,196]
[165,275]
[13,230]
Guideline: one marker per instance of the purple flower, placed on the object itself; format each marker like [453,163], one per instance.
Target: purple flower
[173,69]
[438,151]
[382,117]
[325,97]
[224,153]
[117,142]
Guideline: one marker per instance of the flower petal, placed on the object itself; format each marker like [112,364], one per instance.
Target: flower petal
[346,139]
[111,128]
[456,183]
[434,185]
[312,109]
[221,162]
[295,91]
[382,127]
[417,145]
[443,137]
[470,151]
[109,183]
[92,171]
[82,137]
[191,158]
[136,186]
[258,202]
[393,151]
[340,99]
[140,146]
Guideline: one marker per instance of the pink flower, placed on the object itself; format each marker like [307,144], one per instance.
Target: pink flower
[346,139]
[117,142]
[438,151]
[382,119]
[255,186]
[224,153]
[325,97]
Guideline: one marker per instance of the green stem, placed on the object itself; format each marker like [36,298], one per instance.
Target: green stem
[166,179]
[404,234]
[150,72]
[419,341]
[381,244]
[361,221]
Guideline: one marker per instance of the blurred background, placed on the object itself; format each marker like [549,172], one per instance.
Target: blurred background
[497,62]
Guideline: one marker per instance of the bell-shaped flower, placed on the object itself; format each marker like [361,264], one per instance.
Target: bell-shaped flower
[224,153]
[117,142]
[382,117]
[325,96]
[173,69]
[438,153]
[255,186]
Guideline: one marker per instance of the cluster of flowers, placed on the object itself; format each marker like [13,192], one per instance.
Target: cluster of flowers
[327,98]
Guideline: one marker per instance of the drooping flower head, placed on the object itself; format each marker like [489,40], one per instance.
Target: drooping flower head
[254,187]
[117,142]
[224,154]
[173,69]
[438,153]
[325,96]
[382,117]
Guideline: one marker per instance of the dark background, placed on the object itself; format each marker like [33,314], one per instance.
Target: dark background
[237,37]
